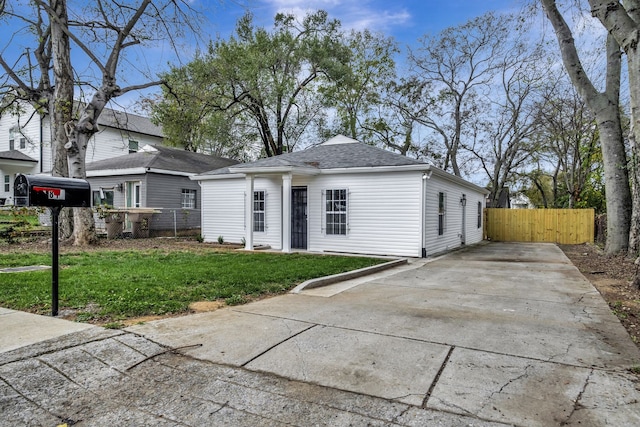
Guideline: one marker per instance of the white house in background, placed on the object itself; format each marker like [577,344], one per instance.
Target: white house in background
[342,196]
[520,201]
[25,142]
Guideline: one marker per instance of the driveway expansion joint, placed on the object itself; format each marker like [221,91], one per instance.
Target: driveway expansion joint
[277,344]
[175,350]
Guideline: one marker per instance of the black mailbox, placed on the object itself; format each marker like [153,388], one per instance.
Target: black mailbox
[51,191]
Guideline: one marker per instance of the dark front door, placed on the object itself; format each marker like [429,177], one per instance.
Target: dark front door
[299,218]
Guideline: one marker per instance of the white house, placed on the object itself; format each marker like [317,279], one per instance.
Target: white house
[342,196]
[25,142]
[520,201]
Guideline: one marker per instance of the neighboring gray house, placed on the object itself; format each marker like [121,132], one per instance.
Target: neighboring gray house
[154,177]
[342,196]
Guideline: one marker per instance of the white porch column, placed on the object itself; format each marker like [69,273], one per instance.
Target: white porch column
[286,212]
[248,214]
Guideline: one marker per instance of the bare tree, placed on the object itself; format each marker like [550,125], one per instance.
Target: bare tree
[571,138]
[393,125]
[100,23]
[459,64]
[507,140]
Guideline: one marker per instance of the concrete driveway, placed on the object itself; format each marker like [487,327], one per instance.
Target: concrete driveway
[497,333]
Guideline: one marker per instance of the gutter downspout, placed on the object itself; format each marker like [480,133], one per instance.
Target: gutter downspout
[423,208]
[201,211]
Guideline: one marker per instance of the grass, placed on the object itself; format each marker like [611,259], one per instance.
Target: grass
[14,222]
[109,286]
[18,215]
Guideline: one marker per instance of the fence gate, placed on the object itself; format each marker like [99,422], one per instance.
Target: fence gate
[563,226]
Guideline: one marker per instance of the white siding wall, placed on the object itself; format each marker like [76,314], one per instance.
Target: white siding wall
[109,142]
[383,213]
[273,206]
[223,210]
[452,236]
[31,133]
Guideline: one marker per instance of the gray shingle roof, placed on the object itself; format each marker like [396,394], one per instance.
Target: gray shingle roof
[16,155]
[339,152]
[163,158]
[127,121]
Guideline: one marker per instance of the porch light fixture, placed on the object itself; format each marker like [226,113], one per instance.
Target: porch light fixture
[120,187]
[463,201]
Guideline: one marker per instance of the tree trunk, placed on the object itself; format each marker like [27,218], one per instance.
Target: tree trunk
[78,135]
[61,105]
[605,108]
[622,20]
[616,180]
[633,62]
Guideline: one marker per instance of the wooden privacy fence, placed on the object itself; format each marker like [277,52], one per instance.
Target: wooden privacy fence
[563,226]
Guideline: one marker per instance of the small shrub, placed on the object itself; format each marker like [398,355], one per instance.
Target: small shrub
[200,238]
[220,239]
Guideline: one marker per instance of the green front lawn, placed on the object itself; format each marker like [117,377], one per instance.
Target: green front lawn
[110,286]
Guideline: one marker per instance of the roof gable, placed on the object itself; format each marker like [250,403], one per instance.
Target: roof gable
[339,152]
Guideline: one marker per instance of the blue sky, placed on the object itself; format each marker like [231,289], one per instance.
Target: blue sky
[405,20]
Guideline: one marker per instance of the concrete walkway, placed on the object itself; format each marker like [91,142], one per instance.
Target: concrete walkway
[495,334]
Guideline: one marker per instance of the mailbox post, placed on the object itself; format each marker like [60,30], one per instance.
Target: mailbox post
[55,193]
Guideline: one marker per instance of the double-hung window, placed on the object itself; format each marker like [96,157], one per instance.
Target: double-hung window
[188,198]
[336,212]
[7,183]
[258,211]
[442,211]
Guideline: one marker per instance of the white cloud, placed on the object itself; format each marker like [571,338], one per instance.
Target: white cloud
[353,14]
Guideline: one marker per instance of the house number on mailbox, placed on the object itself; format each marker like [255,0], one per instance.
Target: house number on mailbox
[52,193]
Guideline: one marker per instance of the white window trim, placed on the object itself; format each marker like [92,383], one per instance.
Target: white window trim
[195,198]
[323,220]
[264,212]
[12,139]
[444,213]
